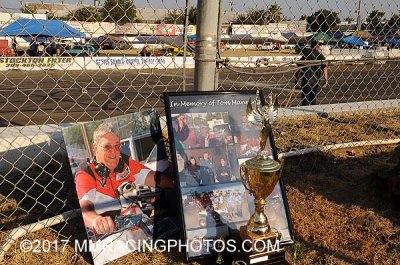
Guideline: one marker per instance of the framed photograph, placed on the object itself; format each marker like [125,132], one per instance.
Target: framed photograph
[112,161]
[209,137]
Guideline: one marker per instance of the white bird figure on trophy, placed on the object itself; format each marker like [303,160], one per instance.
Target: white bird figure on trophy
[263,116]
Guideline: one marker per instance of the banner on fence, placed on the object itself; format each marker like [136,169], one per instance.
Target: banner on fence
[12,62]
[93,63]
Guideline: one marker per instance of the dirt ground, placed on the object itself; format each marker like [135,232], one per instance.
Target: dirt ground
[337,218]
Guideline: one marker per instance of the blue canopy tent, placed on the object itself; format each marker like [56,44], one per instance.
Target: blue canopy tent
[289,35]
[353,40]
[338,34]
[41,27]
[392,41]
[192,37]
[323,37]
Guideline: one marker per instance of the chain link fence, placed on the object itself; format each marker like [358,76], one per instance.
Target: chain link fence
[82,61]
[359,44]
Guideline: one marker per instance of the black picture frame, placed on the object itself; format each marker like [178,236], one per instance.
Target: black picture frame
[212,207]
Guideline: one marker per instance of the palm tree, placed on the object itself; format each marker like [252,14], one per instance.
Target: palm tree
[394,23]
[376,20]
[275,13]
[262,16]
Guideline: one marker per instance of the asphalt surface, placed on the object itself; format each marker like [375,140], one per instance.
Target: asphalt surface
[52,97]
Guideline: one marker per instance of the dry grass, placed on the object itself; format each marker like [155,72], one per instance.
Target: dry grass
[336,217]
[311,130]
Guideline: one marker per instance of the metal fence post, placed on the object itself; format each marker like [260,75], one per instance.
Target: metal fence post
[185,42]
[206,41]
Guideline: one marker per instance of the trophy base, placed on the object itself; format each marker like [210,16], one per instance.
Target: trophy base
[253,252]
[261,249]
[276,258]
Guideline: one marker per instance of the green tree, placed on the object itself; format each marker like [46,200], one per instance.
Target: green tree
[257,17]
[376,20]
[178,16]
[323,20]
[87,13]
[174,16]
[262,16]
[349,19]
[393,23]
[303,17]
[119,11]
[28,10]
[275,13]
[192,15]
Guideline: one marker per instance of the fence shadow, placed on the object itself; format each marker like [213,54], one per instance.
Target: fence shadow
[343,180]
[336,190]
[36,194]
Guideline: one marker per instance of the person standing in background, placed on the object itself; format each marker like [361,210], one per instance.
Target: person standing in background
[310,76]
[14,44]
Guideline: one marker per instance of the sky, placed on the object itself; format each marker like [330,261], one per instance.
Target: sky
[292,9]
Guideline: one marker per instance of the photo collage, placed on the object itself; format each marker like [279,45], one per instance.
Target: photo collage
[210,136]
[208,149]
[208,146]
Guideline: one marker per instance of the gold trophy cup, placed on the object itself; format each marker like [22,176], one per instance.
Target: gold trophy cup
[260,174]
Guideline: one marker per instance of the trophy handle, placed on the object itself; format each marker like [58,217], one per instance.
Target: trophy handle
[243,177]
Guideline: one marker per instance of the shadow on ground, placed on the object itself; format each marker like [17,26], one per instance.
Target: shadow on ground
[337,216]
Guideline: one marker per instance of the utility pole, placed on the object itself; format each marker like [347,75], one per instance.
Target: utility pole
[358,15]
[206,45]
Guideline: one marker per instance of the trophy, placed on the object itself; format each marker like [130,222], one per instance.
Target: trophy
[260,174]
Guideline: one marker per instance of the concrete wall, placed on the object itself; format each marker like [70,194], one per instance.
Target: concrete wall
[23,145]
[167,62]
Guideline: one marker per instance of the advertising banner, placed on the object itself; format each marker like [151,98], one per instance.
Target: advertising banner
[166,29]
[23,62]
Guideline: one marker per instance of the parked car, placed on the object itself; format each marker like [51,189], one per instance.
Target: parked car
[81,50]
[114,44]
[267,46]
[172,51]
[94,44]
[107,44]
